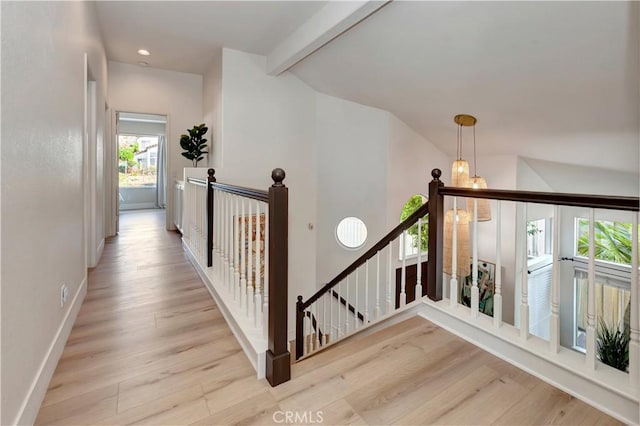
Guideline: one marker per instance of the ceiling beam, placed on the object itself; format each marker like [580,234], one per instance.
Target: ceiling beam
[333,19]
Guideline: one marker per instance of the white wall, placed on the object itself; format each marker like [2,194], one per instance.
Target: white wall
[341,158]
[212,109]
[43,47]
[173,94]
[269,122]
[351,145]
[410,160]
[561,177]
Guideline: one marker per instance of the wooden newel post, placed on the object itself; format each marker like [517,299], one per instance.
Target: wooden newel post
[278,368]
[299,328]
[210,179]
[436,237]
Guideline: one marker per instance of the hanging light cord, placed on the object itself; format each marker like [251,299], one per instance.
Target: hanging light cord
[460,141]
[475,160]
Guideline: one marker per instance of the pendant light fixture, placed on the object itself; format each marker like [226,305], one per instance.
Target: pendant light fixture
[463,246]
[477,182]
[460,167]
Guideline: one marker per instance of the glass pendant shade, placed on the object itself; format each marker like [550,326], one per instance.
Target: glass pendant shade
[484,208]
[460,174]
[463,247]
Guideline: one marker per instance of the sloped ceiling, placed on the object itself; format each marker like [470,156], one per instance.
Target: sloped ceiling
[556,81]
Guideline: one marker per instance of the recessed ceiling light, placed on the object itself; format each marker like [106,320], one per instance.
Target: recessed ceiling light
[143,63]
[143,52]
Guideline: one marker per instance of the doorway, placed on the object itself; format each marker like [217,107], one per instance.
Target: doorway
[141,143]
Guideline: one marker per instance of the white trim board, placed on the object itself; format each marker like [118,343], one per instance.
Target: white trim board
[31,404]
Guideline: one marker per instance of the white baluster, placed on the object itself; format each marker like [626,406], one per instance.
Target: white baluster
[389,277]
[634,320]
[324,320]
[250,277]
[243,257]
[236,251]
[366,293]
[314,326]
[497,297]
[403,273]
[227,238]
[475,294]
[339,324]
[524,304]
[265,283]
[229,226]
[346,307]
[453,283]
[418,290]
[376,310]
[307,334]
[355,314]
[224,261]
[554,321]
[591,297]
[332,336]
[258,267]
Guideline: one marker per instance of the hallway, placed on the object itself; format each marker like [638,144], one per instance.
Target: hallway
[150,347]
[148,340]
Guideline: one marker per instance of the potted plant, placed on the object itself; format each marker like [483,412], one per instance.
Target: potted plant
[194,143]
[613,346]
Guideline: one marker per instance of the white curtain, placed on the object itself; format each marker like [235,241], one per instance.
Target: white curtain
[161,183]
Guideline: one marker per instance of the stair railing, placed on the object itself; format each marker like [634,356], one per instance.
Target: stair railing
[365,292]
[241,235]
[470,292]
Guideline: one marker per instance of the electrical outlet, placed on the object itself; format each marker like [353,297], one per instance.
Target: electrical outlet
[64,295]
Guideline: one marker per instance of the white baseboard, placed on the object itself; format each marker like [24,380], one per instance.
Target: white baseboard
[31,404]
[99,251]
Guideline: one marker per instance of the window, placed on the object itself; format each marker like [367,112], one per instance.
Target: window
[612,251]
[536,238]
[351,232]
[412,241]
[137,160]
[539,264]
[612,240]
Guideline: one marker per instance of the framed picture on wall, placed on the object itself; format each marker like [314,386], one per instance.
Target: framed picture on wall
[486,287]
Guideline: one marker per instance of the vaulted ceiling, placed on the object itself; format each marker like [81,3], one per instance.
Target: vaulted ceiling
[556,81]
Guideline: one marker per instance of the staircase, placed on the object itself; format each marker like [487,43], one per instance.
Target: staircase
[377,293]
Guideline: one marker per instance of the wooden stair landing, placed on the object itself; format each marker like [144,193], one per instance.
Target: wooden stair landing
[151,347]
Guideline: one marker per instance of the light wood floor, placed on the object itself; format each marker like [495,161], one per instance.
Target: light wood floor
[150,347]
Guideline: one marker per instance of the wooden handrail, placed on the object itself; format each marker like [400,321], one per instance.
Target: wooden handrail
[406,224]
[254,194]
[197,181]
[556,198]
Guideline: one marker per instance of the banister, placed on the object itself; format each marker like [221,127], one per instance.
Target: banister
[254,194]
[197,181]
[406,224]
[557,198]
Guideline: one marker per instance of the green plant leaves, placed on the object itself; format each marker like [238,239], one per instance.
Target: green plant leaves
[613,346]
[194,144]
